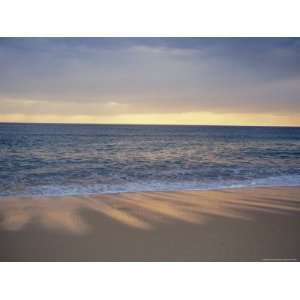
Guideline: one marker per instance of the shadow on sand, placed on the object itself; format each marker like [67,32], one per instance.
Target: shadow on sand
[147,211]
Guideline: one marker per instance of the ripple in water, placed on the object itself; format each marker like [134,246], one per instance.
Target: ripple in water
[91,159]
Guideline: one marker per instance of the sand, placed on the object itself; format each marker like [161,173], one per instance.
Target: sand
[244,224]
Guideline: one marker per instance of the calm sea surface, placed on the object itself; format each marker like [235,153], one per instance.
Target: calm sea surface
[87,159]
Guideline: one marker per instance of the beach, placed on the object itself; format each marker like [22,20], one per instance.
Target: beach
[241,224]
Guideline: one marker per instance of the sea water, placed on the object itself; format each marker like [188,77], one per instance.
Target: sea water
[52,159]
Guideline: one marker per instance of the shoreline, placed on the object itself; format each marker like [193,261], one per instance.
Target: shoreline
[253,223]
[41,196]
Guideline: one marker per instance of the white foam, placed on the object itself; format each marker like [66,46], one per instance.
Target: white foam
[57,190]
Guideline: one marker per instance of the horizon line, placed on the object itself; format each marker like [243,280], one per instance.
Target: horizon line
[147,124]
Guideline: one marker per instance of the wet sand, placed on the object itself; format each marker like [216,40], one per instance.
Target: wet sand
[222,225]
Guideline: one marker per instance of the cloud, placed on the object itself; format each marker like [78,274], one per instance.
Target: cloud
[114,76]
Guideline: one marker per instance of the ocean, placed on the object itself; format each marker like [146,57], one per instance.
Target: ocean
[60,159]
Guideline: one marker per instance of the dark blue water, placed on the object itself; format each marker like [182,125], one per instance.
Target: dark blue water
[84,159]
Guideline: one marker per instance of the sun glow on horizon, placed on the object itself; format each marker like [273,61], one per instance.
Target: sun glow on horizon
[190,118]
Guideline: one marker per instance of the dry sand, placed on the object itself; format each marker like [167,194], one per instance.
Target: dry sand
[221,225]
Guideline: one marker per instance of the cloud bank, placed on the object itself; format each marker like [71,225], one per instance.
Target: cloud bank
[113,77]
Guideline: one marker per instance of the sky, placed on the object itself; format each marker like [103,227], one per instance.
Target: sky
[214,81]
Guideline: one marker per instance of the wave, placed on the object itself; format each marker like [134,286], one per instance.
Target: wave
[154,186]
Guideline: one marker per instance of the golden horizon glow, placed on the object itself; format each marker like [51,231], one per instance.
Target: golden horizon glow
[192,118]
